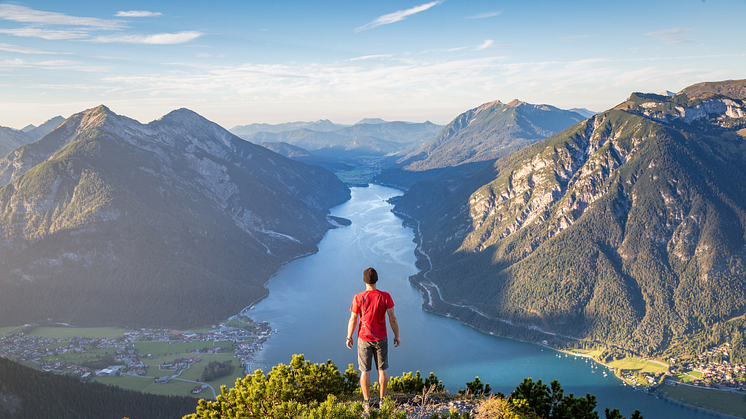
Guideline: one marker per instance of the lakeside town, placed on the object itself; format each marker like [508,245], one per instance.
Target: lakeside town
[89,357]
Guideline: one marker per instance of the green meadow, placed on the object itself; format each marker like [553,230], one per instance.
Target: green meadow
[70,332]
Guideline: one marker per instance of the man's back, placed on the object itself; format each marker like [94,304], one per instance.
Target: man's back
[371,306]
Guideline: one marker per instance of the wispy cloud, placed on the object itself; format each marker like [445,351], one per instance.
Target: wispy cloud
[52,65]
[673,36]
[45,33]
[137,13]
[371,57]
[397,16]
[26,15]
[157,39]
[486,44]
[24,50]
[483,15]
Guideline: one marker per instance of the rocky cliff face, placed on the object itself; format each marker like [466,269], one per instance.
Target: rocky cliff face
[627,227]
[106,220]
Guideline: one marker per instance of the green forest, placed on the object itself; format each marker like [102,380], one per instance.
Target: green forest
[26,393]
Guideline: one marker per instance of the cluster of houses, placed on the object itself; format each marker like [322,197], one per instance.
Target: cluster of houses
[715,368]
[24,348]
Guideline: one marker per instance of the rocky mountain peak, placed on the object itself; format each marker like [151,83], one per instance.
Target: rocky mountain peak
[516,103]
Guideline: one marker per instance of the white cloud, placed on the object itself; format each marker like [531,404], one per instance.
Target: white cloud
[486,44]
[157,39]
[45,34]
[137,13]
[26,15]
[483,15]
[397,16]
[24,50]
[673,36]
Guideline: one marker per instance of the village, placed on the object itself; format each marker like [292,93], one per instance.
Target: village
[88,357]
[712,369]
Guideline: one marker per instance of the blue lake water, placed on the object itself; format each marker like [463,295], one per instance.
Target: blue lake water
[310,298]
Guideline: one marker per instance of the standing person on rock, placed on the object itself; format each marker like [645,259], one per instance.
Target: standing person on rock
[371,307]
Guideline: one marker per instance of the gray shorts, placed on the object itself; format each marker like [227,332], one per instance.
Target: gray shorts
[378,351]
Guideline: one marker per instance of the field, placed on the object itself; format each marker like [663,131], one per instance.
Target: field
[165,348]
[69,332]
[176,387]
[73,358]
[683,378]
[720,401]
[4,330]
[638,365]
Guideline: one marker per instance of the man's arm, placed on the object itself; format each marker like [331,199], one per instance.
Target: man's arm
[351,328]
[394,325]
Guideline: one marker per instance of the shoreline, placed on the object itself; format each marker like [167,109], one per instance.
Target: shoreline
[421,282]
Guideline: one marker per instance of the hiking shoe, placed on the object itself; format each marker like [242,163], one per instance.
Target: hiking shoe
[366,407]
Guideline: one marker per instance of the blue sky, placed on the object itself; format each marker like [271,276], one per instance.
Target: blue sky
[239,62]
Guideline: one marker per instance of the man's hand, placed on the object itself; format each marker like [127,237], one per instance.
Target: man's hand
[349,343]
[397,341]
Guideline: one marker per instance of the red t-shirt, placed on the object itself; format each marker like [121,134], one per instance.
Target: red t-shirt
[371,307]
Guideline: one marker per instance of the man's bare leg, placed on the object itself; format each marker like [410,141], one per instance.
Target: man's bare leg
[383,382]
[365,384]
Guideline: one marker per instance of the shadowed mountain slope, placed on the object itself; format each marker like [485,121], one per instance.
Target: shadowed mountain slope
[476,137]
[176,222]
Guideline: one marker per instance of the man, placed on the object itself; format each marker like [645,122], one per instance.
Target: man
[371,306]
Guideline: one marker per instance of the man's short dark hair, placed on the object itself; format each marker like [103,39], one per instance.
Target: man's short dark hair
[370,276]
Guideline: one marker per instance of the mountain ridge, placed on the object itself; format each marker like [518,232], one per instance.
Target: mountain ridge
[477,136]
[104,203]
[624,228]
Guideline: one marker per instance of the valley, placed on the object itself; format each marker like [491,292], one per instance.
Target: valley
[618,237]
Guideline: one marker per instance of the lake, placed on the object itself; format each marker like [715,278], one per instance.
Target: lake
[310,299]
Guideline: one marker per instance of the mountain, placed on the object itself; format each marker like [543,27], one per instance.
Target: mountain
[322,125]
[371,121]
[175,223]
[628,228]
[583,112]
[45,127]
[410,133]
[11,139]
[302,155]
[476,137]
[303,138]
[351,142]
[27,393]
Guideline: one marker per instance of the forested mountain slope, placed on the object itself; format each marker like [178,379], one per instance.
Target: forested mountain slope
[628,228]
[177,222]
[26,393]
[476,137]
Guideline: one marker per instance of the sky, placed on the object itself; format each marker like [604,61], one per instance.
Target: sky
[247,61]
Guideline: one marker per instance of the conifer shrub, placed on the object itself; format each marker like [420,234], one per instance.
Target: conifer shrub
[301,389]
[413,384]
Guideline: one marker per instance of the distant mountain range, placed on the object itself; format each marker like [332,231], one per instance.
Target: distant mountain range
[627,228]
[475,138]
[177,222]
[369,137]
[11,139]
[322,125]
